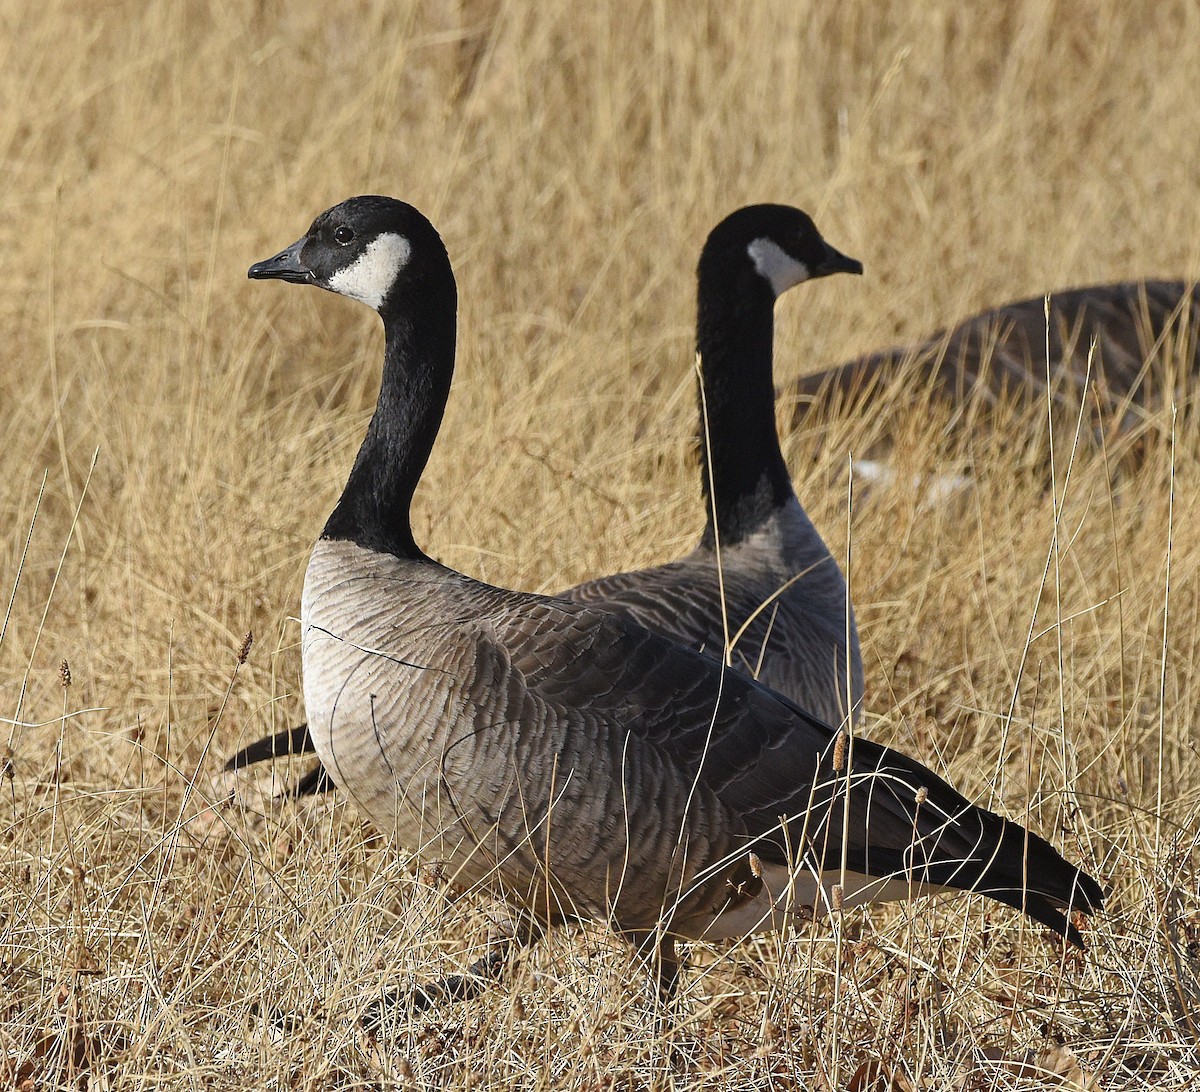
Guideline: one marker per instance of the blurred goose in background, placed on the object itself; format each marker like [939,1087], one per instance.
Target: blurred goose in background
[761,588]
[1147,352]
[576,763]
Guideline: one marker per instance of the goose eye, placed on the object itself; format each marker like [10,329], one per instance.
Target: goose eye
[343,235]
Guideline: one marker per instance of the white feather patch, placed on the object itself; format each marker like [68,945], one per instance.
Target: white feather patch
[935,488]
[802,895]
[371,275]
[779,268]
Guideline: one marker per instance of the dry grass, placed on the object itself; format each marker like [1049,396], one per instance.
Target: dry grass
[574,157]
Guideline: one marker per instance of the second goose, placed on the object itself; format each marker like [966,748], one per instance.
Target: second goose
[761,586]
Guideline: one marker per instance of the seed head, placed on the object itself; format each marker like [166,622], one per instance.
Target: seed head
[244,649]
[767,1039]
[64,673]
[755,866]
[836,896]
[839,752]
[922,795]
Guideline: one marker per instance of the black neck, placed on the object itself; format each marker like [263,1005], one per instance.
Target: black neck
[734,335]
[418,364]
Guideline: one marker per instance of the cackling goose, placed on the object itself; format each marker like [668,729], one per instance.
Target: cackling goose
[761,582]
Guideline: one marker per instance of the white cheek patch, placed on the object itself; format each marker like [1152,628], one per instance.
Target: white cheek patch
[777,267]
[370,277]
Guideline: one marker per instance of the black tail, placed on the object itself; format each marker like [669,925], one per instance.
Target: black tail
[1029,874]
[954,843]
[294,741]
[902,820]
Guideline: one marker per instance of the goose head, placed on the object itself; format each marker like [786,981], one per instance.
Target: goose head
[384,253]
[771,247]
[366,248]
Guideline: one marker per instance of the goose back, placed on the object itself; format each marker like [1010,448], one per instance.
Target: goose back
[777,601]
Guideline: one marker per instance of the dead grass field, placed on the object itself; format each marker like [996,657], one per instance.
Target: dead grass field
[573,156]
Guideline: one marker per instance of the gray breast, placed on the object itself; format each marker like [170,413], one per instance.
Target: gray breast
[418,711]
[380,687]
[778,595]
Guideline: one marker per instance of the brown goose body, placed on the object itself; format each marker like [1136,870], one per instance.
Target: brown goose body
[1147,349]
[588,769]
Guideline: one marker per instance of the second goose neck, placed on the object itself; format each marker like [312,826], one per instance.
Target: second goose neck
[374,508]
[743,473]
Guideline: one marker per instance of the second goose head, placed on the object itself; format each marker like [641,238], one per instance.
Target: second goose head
[768,247]
[384,253]
[750,259]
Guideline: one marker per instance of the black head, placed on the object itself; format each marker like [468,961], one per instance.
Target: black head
[365,248]
[775,245]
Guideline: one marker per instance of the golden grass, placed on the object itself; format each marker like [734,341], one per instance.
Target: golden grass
[573,156]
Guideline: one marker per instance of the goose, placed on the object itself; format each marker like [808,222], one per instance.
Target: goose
[761,587]
[1147,349]
[566,758]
